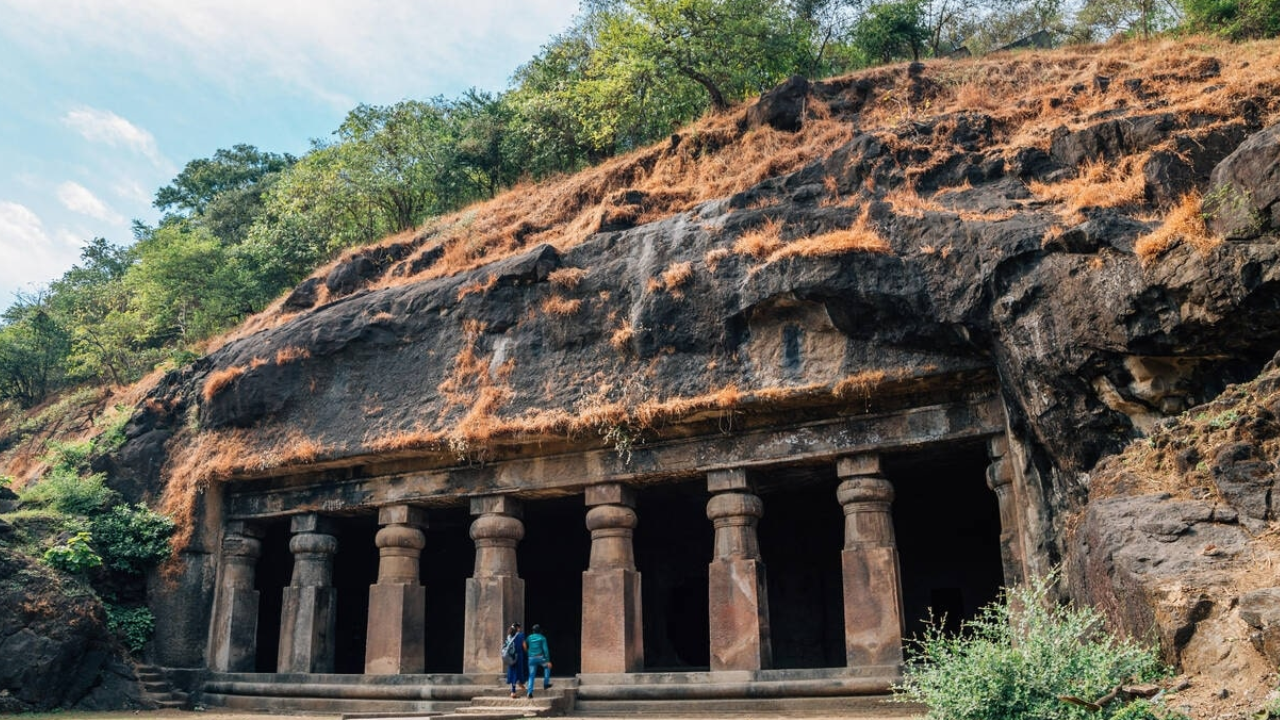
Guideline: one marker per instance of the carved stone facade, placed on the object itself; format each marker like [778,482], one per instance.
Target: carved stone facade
[847,456]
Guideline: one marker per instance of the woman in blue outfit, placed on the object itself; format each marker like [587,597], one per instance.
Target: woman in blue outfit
[539,656]
[513,654]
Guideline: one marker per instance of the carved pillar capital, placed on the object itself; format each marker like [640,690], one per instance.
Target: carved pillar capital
[734,515]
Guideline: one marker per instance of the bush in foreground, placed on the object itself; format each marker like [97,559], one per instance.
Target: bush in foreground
[1020,656]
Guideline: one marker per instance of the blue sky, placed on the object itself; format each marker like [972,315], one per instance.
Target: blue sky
[103,101]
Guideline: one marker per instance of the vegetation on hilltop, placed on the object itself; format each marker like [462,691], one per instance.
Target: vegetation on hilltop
[244,225]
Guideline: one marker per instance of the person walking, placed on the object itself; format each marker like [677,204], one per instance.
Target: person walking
[513,654]
[539,657]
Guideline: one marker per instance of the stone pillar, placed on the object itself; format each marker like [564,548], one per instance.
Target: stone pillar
[738,595]
[233,639]
[395,644]
[872,585]
[612,625]
[1000,480]
[306,620]
[495,592]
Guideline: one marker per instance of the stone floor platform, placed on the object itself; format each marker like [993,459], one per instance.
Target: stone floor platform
[830,691]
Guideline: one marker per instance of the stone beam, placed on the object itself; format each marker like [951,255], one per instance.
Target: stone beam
[815,442]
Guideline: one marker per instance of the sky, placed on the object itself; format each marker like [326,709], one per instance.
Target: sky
[102,102]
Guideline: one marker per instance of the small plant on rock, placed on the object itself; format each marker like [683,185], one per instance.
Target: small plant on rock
[76,555]
[1020,657]
[133,625]
[132,538]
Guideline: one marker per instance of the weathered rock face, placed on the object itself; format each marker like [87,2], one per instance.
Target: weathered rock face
[1190,563]
[55,649]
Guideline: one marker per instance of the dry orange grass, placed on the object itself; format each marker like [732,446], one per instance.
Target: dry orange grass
[1098,185]
[861,237]
[761,242]
[675,277]
[713,257]
[556,305]
[219,380]
[1185,223]
[286,355]
[566,277]
[621,338]
[477,287]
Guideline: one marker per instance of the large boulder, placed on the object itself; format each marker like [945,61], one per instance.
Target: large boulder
[1244,188]
[55,649]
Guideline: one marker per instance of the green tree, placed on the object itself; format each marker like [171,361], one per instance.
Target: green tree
[225,190]
[1234,19]
[93,303]
[731,48]
[892,30]
[183,287]
[33,350]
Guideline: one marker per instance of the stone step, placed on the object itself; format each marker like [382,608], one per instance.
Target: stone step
[492,714]
[519,701]
[507,703]
[147,677]
[354,707]
[155,686]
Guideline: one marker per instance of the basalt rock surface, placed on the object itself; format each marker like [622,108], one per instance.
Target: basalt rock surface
[55,649]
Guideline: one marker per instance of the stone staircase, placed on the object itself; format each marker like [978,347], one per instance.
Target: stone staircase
[157,690]
[497,704]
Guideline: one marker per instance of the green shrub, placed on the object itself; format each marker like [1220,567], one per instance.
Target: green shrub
[65,491]
[133,625]
[132,538]
[1018,657]
[74,556]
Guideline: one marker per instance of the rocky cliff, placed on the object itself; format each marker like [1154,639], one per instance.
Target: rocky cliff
[1038,220]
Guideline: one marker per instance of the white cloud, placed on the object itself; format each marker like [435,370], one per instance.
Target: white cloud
[79,199]
[340,51]
[29,255]
[104,126]
[131,190]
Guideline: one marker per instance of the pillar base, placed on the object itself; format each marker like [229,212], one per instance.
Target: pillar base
[739,605]
[307,630]
[872,606]
[235,632]
[493,603]
[612,629]
[395,644]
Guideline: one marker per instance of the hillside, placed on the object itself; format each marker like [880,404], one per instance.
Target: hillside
[1032,221]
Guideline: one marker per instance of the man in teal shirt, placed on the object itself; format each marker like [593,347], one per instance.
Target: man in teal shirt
[535,643]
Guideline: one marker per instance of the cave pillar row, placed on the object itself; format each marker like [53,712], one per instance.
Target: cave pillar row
[873,617]
[310,601]
[737,591]
[612,624]
[1000,477]
[233,639]
[495,592]
[395,642]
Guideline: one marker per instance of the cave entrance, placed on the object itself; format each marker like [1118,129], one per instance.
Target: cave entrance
[446,562]
[673,546]
[947,523]
[271,575]
[801,534]
[553,554]
[355,568]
